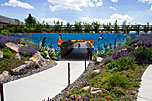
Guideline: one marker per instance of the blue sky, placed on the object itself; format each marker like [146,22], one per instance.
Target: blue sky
[103,11]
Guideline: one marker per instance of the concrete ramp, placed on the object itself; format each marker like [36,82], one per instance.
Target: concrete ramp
[45,84]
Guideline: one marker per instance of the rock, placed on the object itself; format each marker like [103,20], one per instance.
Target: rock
[40,61]
[85,88]
[28,62]
[1,54]
[47,56]
[114,69]
[4,76]
[95,72]
[95,90]
[12,46]
[99,59]
[74,97]
[18,69]
[17,56]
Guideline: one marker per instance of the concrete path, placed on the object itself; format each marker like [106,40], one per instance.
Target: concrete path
[145,90]
[45,84]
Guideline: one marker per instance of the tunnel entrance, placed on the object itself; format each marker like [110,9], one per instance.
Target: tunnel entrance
[76,50]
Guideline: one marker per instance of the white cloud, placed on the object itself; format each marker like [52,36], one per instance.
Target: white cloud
[16,3]
[113,8]
[148,1]
[120,18]
[51,20]
[114,0]
[73,4]
[99,4]
[143,1]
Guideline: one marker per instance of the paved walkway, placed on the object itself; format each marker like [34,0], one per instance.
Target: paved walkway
[145,90]
[45,84]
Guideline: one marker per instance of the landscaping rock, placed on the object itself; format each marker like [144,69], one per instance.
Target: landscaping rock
[95,72]
[4,76]
[12,46]
[99,59]
[74,97]
[85,88]
[18,69]
[95,90]
[17,56]
[28,62]
[1,54]
[41,62]
[114,69]
[47,56]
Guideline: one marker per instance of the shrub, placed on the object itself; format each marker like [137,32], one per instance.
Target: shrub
[23,42]
[43,54]
[28,50]
[2,42]
[7,54]
[118,80]
[111,65]
[5,49]
[5,32]
[124,63]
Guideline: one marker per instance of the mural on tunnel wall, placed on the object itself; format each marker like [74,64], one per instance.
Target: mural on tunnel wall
[102,44]
[75,41]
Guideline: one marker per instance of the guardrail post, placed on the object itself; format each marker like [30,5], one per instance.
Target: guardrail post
[85,64]
[68,74]
[1,92]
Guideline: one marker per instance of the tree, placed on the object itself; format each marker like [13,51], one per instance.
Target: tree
[146,28]
[78,26]
[116,28]
[68,27]
[87,27]
[58,26]
[30,20]
[96,26]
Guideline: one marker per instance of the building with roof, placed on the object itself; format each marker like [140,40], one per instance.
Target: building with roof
[5,21]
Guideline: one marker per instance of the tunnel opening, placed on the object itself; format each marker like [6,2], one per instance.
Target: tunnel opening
[76,50]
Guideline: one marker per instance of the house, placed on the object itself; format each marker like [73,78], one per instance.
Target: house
[5,21]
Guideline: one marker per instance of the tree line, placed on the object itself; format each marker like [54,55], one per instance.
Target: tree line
[31,25]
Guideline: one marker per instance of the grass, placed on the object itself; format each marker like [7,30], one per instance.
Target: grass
[10,62]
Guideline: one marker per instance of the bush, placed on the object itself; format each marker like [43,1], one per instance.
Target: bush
[124,63]
[7,54]
[118,80]
[5,49]
[28,50]
[43,54]
[5,32]
[23,42]
[111,65]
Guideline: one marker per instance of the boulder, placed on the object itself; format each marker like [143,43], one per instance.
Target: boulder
[12,46]
[1,54]
[74,97]
[85,88]
[28,62]
[95,72]
[4,76]
[40,61]
[47,56]
[18,69]
[99,59]
[17,56]
[95,90]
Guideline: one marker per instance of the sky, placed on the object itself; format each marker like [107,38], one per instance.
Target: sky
[103,11]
